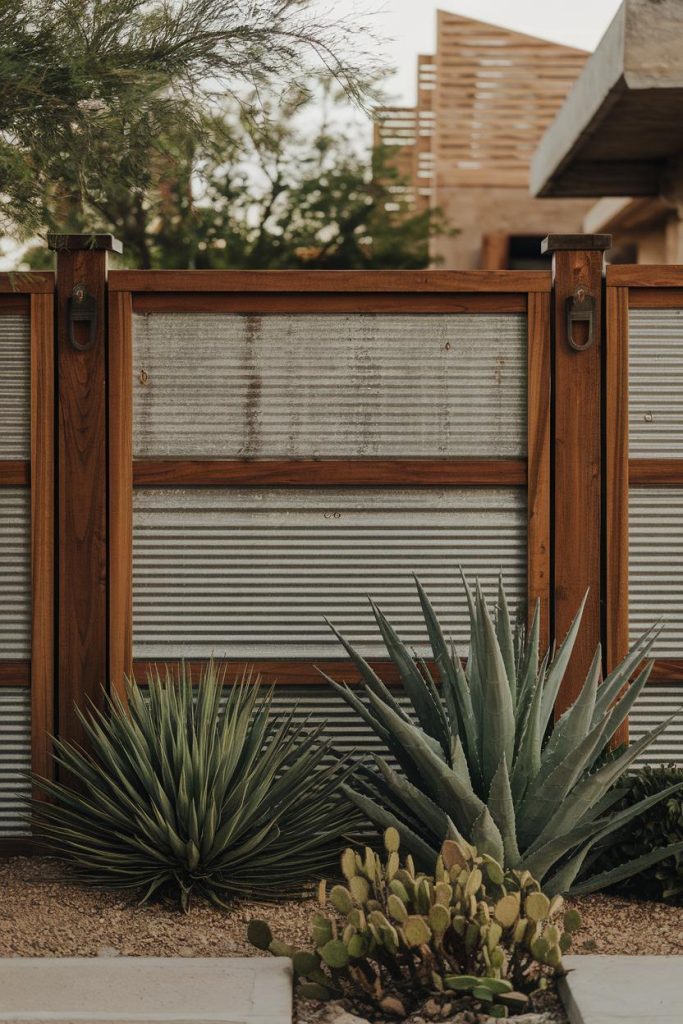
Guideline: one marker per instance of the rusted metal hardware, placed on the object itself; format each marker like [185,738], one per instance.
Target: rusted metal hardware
[82,308]
[580,308]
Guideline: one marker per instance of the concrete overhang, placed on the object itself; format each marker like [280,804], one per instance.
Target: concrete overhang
[620,129]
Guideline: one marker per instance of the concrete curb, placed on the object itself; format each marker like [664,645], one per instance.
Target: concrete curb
[622,989]
[146,990]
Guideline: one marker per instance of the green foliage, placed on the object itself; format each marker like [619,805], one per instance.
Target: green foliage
[656,828]
[470,930]
[278,182]
[179,794]
[482,759]
[95,93]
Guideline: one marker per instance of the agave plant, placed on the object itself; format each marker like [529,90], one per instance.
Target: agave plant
[481,759]
[179,791]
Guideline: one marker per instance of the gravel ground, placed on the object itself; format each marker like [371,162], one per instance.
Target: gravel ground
[41,915]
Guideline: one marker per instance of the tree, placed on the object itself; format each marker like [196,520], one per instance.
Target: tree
[277,183]
[93,90]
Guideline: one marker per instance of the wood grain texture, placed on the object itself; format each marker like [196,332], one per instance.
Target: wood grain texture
[281,672]
[15,672]
[34,282]
[655,298]
[329,281]
[667,670]
[82,489]
[538,420]
[120,390]
[330,472]
[15,473]
[643,275]
[655,472]
[13,304]
[577,490]
[262,303]
[42,533]
[616,484]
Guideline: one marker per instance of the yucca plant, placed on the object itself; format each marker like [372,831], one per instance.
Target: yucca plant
[182,793]
[481,759]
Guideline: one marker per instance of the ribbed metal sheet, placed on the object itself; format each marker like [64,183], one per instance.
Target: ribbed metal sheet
[656,565]
[15,572]
[296,385]
[654,705]
[656,383]
[15,759]
[15,387]
[250,573]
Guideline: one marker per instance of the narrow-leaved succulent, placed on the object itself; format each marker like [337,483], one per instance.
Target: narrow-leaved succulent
[183,792]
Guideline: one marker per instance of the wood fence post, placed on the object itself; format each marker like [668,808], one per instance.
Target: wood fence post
[577,446]
[82,527]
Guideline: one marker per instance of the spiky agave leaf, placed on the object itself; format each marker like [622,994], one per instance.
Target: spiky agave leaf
[488,764]
[179,790]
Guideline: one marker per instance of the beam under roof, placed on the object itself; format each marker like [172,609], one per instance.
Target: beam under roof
[621,126]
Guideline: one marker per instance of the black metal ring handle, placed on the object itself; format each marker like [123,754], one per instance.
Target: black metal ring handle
[82,308]
[580,308]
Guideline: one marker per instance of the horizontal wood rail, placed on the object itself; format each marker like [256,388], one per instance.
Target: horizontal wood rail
[655,472]
[13,305]
[15,472]
[655,298]
[264,303]
[283,671]
[33,282]
[330,473]
[15,672]
[304,672]
[644,275]
[329,280]
[667,670]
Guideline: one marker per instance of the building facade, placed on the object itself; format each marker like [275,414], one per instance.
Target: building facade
[484,100]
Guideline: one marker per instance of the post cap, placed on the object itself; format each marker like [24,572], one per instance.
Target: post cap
[575,243]
[76,243]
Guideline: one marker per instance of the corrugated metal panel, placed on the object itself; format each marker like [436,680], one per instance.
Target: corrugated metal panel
[655,704]
[15,387]
[656,565]
[656,383]
[15,572]
[15,759]
[299,385]
[250,573]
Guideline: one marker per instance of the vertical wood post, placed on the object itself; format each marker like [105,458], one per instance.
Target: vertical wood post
[82,527]
[577,442]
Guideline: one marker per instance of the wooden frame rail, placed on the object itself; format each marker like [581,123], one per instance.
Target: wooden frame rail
[293,291]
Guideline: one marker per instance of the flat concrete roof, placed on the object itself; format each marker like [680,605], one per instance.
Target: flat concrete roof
[621,126]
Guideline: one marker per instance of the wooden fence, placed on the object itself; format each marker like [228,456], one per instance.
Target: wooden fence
[198,463]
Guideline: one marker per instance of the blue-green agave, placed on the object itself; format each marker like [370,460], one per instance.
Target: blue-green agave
[480,758]
[183,792]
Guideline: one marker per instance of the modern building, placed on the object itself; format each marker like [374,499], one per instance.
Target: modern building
[619,136]
[484,100]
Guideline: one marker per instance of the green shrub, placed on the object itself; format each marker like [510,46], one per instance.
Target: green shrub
[393,938]
[481,758]
[176,793]
[658,827]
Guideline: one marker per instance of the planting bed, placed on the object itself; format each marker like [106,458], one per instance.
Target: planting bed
[42,915]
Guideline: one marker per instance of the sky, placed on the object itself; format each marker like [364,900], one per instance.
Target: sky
[409,26]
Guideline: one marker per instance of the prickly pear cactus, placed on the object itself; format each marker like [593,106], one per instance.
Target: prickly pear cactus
[389,939]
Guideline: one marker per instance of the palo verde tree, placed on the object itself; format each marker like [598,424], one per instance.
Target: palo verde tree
[91,89]
[269,182]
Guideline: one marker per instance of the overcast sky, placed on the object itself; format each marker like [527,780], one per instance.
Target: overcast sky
[410,25]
